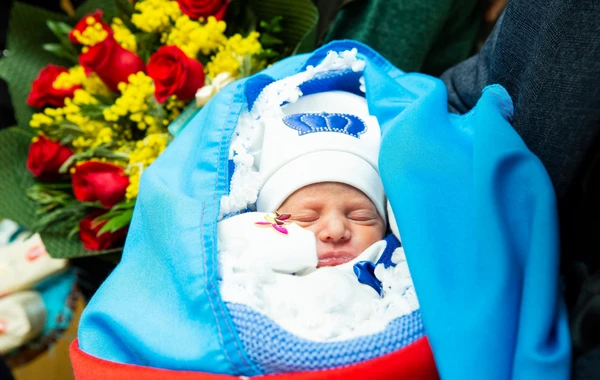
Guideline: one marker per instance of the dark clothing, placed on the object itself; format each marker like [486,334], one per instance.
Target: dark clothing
[546,53]
[5,373]
[425,35]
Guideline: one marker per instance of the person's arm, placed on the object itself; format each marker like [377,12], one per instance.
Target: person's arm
[546,54]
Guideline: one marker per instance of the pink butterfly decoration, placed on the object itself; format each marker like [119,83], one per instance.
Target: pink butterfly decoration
[278,222]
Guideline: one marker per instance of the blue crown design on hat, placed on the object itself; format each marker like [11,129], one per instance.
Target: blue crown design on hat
[306,123]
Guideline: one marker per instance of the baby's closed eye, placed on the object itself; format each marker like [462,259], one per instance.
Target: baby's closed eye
[363,215]
[305,217]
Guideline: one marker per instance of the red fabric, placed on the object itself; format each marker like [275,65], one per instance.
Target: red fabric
[414,362]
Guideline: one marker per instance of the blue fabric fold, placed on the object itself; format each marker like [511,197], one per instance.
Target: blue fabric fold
[475,209]
[365,270]
[477,215]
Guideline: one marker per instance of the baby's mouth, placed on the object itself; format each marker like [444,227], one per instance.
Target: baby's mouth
[333,258]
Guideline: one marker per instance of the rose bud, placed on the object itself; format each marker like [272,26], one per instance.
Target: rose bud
[46,157]
[77,36]
[88,233]
[99,181]
[203,8]
[43,92]
[174,73]
[112,62]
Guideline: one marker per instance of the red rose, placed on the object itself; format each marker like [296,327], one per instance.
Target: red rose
[88,233]
[84,23]
[203,8]
[42,91]
[46,157]
[174,73]
[98,181]
[111,62]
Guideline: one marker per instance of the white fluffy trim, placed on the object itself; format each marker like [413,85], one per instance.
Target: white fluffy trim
[246,142]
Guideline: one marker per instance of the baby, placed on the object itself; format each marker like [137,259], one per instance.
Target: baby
[344,220]
[313,257]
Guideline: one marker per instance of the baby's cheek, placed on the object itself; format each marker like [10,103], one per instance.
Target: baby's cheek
[370,235]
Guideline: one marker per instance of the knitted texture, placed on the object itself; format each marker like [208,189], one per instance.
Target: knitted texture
[274,350]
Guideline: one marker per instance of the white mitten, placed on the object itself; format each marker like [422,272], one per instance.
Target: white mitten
[240,238]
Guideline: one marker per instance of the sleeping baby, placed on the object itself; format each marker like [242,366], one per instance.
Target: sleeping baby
[314,257]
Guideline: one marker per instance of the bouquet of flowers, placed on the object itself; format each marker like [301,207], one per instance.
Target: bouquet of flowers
[110,92]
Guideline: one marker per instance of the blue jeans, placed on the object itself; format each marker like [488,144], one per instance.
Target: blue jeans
[546,53]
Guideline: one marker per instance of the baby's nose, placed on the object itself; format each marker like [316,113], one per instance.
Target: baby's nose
[334,230]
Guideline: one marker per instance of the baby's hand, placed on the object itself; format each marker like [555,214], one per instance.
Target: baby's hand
[289,252]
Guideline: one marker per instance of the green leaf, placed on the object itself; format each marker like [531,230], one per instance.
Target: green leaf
[65,132]
[266,55]
[108,215]
[100,151]
[299,21]
[74,231]
[60,29]
[125,7]
[147,44]
[273,26]
[93,111]
[268,41]
[3,65]
[50,194]
[156,109]
[14,204]
[70,128]
[104,100]
[116,223]
[58,209]
[58,217]
[60,246]
[60,51]
[124,205]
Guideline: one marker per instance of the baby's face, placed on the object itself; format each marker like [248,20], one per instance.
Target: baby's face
[343,219]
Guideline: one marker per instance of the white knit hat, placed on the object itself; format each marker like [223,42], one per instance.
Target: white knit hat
[323,137]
